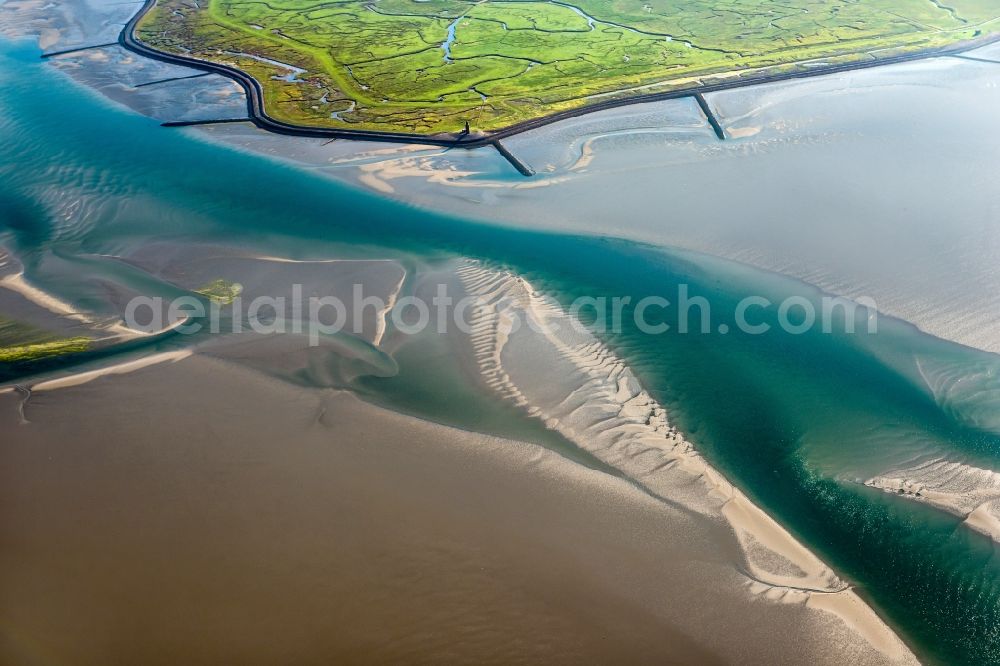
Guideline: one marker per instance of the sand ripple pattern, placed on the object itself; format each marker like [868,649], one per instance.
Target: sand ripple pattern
[967,391]
[960,489]
[531,352]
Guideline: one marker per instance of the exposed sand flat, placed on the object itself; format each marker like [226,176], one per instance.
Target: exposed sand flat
[305,522]
[665,175]
[742,132]
[287,283]
[381,319]
[211,526]
[985,519]
[118,369]
[286,260]
[23,302]
[12,279]
[952,486]
[199,512]
[17,284]
[376,183]
[942,104]
[968,390]
[251,497]
[565,377]
[378,175]
[960,489]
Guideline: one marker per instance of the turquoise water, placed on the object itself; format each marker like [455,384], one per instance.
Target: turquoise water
[796,420]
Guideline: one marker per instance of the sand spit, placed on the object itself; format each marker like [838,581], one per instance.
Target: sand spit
[361,534]
[814,115]
[532,353]
[286,260]
[12,279]
[248,520]
[382,318]
[972,493]
[288,283]
[118,369]
[309,524]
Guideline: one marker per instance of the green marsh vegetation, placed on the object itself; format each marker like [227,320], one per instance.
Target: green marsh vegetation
[429,66]
[21,343]
[221,291]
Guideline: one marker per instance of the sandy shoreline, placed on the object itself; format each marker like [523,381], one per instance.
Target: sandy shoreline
[657,578]
[971,493]
[246,399]
[473,182]
[88,474]
[694,86]
[600,405]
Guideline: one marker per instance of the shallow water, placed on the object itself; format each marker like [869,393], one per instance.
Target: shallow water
[878,182]
[798,421]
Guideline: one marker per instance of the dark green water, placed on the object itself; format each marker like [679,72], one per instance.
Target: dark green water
[796,420]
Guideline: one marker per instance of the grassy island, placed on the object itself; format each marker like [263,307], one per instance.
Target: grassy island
[429,66]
